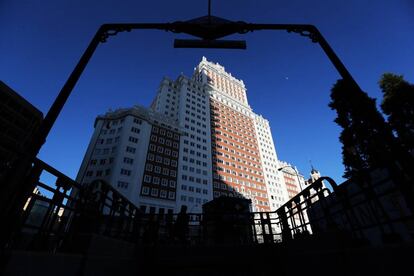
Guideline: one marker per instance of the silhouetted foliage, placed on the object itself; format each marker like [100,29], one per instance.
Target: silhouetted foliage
[366,138]
[398,105]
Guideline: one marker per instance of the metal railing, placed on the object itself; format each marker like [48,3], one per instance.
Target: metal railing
[59,210]
[61,215]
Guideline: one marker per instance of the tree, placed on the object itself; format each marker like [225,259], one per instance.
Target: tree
[398,105]
[367,139]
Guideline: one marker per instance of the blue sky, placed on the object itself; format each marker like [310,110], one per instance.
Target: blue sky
[288,78]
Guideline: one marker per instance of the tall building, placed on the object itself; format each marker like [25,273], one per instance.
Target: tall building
[294,181]
[136,151]
[217,146]
[18,122]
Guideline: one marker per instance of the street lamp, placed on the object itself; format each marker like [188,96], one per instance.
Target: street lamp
[296,172]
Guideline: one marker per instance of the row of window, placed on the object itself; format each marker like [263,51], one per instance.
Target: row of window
[195,122]
[240,181]
[160,159]
[123,184]
[193,115]
[111,131]
[194,92]
[155,192]
[198,130]
[221,161]
[193,108]
[101,161]
[194,189]
[99,151]
[163,141]
[228,163]
[195,104]
[98,172]
[165,132]
[196,145]
[237,126]
[235,144]
[194,161]
[192,199]
[194,179]
[244,135]
[193,152]
[242,154]
[195,170]
[156,180]
[157,169]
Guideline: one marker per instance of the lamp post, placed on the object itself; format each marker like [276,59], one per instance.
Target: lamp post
[296,172]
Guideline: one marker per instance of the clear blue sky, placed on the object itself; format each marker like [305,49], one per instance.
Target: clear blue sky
[288,78]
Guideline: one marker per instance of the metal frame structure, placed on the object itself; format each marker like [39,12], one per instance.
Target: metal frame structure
[208,28]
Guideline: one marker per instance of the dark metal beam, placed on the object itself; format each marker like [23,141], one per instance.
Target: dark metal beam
[219,44]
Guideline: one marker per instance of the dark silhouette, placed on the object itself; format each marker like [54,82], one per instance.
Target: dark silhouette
[398,105]
[169,224]
[367,139]
[150,236]
[181,224]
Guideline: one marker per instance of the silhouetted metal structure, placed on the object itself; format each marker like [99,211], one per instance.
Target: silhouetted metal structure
[208,29]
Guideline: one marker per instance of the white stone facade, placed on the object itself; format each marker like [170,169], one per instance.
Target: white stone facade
[228,151]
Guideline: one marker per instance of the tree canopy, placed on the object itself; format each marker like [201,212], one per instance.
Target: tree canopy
[366,138]
[398,105]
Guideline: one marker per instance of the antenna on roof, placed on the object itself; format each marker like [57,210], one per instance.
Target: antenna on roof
[209,11]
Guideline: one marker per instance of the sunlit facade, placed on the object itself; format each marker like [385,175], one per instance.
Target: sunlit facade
[199,140]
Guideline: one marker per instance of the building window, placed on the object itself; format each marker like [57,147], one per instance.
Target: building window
[154,192]
[163,194]
[130,149]
[128,160]
[149,167]
[122,184]
[125,172]
[145,190]
[171,195]
[135,130]
[147,178]
[133,139]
